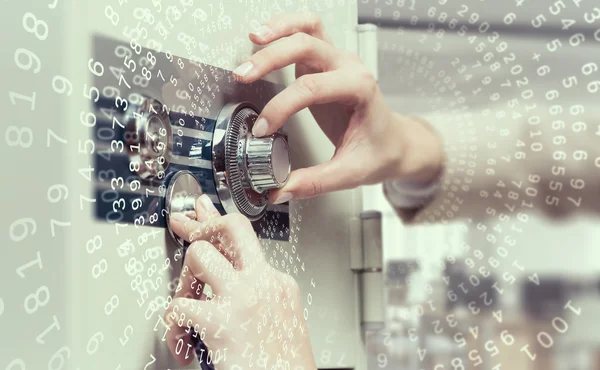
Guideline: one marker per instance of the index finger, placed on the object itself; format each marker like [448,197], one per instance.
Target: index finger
[231,234]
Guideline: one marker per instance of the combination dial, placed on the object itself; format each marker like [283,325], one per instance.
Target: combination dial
[245,167]
[160,144]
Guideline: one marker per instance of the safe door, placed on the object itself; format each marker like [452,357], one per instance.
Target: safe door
[116,111]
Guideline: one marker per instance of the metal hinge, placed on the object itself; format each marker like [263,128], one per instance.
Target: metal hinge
[366,251]
[366,260]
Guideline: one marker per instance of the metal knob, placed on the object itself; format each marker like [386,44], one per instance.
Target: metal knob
[246,167]
[267,162]
[182,193]
[148,139]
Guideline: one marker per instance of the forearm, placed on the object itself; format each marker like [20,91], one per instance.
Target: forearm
[421,168]
[499,168]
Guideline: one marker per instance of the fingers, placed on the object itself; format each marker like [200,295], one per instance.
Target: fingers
[347,86]
[336,174]
[186,318]
[184,226]
[297,48]
[205,209]
[178,336]
[205,264]
[232,234]
[287,24]
[191,286]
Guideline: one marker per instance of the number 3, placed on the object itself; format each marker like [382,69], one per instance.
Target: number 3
[592,17]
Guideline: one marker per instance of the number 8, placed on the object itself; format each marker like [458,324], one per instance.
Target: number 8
[94,244]
[36,26]
[36,297]
[19,140]
[112,15]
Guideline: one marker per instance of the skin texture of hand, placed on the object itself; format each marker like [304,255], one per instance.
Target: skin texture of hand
[372,142]
[254,316]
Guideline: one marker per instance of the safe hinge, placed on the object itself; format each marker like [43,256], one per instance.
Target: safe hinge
[366,260]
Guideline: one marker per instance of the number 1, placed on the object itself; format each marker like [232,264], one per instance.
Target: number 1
[31,99]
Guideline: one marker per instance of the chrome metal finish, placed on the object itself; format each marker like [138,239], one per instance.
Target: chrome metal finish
[148,139]
[267,162]
[182,193]
[245,167]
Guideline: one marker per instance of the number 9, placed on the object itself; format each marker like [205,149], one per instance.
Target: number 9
[58,356]
[31,58]
[66,85]
[26,229]
[382,360]
[63,193]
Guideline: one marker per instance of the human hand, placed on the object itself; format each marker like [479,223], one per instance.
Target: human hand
[254,315]
[372,142]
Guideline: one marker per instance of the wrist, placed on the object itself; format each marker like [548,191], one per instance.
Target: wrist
[422,160]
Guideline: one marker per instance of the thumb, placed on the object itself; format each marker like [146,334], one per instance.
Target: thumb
[313,181]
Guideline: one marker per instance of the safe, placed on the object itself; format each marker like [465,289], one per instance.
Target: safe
[120,112]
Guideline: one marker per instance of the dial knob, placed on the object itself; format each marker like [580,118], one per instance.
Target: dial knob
[245,167]
[267,162]
[182,193]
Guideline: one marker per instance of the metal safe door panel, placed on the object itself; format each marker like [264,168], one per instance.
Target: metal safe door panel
[106,316]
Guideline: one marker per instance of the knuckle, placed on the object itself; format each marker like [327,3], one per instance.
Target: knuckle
[367,78]
[214,225]
[302,39]
[316,188]
[199,248]
[307,85]
[194,233]
[189,227]
[366,84]
[276,22]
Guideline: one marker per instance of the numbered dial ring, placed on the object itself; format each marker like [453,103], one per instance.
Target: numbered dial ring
[245,167]
[148,139]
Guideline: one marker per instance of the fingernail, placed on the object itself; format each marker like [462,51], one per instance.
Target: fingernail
[179,217]
[262,31]
[207,204]
[243,69]
[283,197]
[260,127]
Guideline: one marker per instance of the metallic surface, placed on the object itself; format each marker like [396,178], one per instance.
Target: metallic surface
[243,165]
[182,193]
[267,162]
[149,138]
[192,125]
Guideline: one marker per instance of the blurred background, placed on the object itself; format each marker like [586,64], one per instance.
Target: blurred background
[493,283]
